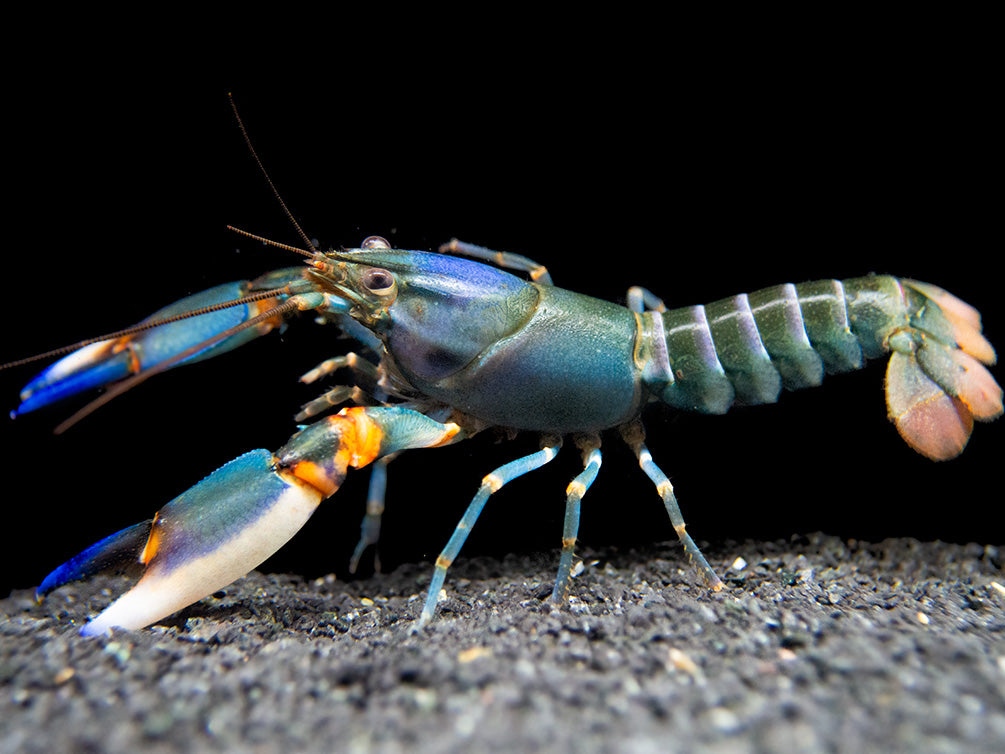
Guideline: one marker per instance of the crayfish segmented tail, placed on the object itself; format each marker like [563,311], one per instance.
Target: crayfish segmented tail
[748,347]
[451,345]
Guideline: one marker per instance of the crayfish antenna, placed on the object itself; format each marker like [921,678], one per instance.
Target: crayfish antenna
[309,244]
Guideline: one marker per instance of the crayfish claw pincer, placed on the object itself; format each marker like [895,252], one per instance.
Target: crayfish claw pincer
[201,541]
[242,513]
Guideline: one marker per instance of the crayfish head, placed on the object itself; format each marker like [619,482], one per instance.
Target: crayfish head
[435,313]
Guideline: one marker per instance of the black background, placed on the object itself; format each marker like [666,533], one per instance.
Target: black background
[694,176]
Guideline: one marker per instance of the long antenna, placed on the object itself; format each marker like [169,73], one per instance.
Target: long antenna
[270,242]
[251,148]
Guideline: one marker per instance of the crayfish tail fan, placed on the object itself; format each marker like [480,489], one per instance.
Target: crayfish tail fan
[936,384]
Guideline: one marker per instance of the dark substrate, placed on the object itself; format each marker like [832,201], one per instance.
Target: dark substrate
[817,644]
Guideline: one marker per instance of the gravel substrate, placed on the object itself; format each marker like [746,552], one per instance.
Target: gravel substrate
[817,644]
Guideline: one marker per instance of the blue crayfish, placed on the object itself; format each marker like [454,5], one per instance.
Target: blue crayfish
[451,343]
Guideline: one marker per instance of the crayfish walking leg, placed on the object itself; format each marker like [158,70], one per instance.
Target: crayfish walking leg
[491,483]
[590,445]
[634,434]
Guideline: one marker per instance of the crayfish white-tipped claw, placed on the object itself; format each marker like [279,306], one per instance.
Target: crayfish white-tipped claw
[210,536]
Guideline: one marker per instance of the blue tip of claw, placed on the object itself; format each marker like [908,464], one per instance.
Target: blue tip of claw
[45,390]
[116,552]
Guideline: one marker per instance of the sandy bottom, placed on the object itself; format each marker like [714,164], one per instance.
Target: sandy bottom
[817,644]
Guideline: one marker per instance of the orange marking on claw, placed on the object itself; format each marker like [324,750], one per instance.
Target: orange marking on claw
[257,307]
[153,544]
[316,476]
[125,343]
[362,437]
[448,435]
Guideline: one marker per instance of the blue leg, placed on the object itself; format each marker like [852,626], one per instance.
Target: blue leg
[369,530]
[634,436]
[491,483]
[574,495]
[642,299]
[505,259]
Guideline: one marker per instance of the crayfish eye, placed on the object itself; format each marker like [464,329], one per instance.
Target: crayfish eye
[378,280]
[374,242]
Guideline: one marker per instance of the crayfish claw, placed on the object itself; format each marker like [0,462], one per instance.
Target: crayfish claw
[204,539]
[242,513]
